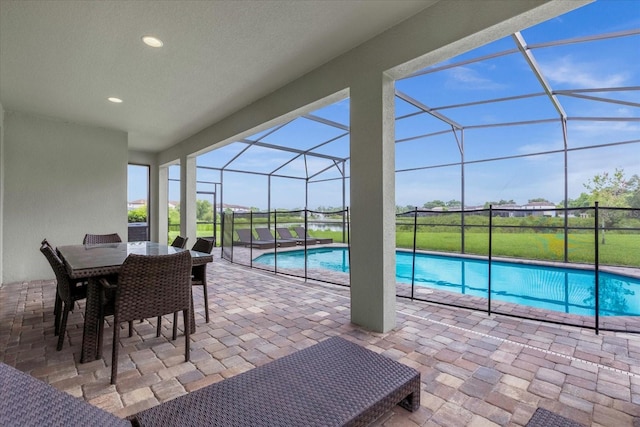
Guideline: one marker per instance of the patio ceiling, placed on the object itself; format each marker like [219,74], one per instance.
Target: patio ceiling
[63,59]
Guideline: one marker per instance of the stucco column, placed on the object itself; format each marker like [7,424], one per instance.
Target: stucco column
[373,262]
[188,198]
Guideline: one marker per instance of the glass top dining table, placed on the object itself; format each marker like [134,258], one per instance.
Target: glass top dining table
[83,261]
[92,262]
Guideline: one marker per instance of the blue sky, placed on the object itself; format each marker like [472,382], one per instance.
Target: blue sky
[605,63]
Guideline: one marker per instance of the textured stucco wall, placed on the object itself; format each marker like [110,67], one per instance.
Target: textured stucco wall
[61,181]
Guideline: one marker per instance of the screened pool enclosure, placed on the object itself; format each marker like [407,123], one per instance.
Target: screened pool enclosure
[545,119]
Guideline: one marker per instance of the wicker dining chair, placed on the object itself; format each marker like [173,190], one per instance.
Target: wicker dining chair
[199,273]
[150,286]
[68,291]
[58,303]
[179,242]
[94,239]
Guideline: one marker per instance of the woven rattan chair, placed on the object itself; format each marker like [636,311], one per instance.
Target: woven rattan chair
[68,291]
[58,304]
[150,286]
[199,273]
[179,242]
[94,239]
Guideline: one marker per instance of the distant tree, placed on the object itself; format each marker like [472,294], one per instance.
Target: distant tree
[402,209]
[582,201]
[633,197]
[610,190]
[434,204]
[453,204]
[204,210]
[138,214]
[174,215]
[500,203]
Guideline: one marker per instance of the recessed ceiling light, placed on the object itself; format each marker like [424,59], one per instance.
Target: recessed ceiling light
[115,100]
[152,41]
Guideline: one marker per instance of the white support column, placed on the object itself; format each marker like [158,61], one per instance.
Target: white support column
[188,198]
[373,265]
[162,212]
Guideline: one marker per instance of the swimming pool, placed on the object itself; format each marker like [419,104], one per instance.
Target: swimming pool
[552,288]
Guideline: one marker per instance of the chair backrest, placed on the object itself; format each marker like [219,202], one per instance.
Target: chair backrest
[94,239]
[62,277]
[179,242]
[245,234]
[264,234]
[302,233]
[153,285]
[284,233]
[203,245]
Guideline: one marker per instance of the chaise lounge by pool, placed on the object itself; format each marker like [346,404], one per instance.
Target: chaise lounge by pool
[567,290]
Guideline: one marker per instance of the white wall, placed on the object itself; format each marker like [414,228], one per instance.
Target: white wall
[61,180]
[1,184]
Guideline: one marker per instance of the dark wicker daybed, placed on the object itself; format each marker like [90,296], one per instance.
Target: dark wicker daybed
[27,401]
[333,383]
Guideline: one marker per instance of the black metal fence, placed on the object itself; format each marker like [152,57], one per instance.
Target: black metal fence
[568,259]
[566,266]
[296,233]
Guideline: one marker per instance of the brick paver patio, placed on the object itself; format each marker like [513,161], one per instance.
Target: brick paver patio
[476,370]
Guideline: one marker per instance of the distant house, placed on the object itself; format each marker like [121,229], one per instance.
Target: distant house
[530,209]
[236,208]
[135,204]
[541,208]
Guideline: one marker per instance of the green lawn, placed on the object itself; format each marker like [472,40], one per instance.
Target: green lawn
[619,249]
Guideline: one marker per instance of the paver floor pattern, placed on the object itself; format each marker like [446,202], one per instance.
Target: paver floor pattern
[477,370]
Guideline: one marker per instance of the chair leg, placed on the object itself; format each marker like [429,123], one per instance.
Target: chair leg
[114,353]
[187,334]
[206,300]
[175,325]
[57,311]
[130,328]
[100,333]
[63,327]
[159,326]
[57,305]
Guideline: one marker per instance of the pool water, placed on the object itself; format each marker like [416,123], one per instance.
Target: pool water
[552,288]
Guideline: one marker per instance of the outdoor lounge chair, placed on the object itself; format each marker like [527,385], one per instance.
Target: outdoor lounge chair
[284,233]
[265,234]
[303,233]
[246,239]
[333,383]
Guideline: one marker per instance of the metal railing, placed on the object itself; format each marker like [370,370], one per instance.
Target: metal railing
[592,241]
[322,228]
[589,240]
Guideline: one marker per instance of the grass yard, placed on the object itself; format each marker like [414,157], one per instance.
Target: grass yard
[619,249]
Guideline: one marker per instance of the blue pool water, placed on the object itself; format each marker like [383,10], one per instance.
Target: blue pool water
[551,288]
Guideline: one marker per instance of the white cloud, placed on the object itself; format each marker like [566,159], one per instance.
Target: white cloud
[566,70]
[468,78]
